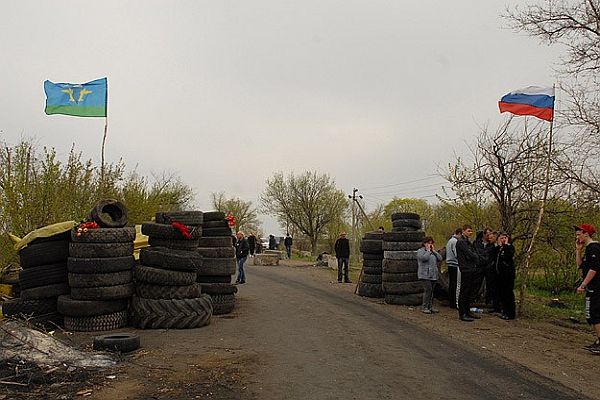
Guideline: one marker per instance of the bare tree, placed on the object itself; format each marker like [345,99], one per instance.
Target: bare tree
[309,202]
[245,214]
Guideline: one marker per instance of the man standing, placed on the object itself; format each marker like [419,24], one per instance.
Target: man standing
[252,243]
[288,245]
[342,253]
[241,253]
[589,263]
[272,243]
[467,269]
[492,286]
[452,263]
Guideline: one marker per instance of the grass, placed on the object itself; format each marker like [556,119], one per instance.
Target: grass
[537,305]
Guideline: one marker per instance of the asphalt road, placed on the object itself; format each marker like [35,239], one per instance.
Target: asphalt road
[316,340]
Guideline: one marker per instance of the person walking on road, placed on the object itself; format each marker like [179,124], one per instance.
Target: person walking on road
[241,253]
[468,258]
[505,270]
[427,259]
[288,245]
[452,263]
[252,243]
[342,253]
[587,255]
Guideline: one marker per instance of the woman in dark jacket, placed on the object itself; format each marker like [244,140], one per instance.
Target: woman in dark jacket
[505,266]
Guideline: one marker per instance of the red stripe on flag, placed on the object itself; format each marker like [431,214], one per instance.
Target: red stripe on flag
[546,114]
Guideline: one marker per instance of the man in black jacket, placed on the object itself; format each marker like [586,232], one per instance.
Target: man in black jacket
[468,258]
[288,245]
[342,253]
[241,253]
[587,253]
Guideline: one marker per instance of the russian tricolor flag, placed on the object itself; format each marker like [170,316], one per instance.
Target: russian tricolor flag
[532,100]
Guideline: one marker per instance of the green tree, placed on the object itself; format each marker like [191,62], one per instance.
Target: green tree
[246,216]
[310,202]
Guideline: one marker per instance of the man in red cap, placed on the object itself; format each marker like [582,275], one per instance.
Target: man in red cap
[589,263]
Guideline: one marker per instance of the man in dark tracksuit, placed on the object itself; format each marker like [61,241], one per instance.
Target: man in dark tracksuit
[342,253]
[468,258]
[587,253]
[492,286]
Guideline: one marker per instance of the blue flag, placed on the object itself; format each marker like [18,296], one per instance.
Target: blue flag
[80,100]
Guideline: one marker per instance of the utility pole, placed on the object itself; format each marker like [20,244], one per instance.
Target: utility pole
[354,219]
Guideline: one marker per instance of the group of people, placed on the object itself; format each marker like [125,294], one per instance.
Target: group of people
[256,246]
[489,258]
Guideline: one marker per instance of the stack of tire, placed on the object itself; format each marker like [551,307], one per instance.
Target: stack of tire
[399,279]
[100,278]
[43,278]
[162,233]
[167,295]
[216,248]
[372,254]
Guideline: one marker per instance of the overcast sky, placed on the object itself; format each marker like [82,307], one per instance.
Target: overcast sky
[378,94]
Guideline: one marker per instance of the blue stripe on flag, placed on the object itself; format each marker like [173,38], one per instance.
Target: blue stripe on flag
[539,100]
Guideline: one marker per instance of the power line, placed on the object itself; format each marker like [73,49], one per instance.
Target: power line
[402,183]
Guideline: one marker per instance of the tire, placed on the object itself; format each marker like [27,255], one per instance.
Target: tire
[370,246]
[159,276]
[376,235]
[215,242]
[43,275]
[89,308]
[109,214]
[399,266]
[373,256]
[216,224]
[213,216]
[213,279]
[218,266]
[46,321]
[193,218]
[400,255]
[367,278]
[103,292]
[370,290]
[97,323]
[373,263]
[402,288]
[44,292]
[217,232]
[20,307]
[97,280]
[219,288]
[404,229]
[414,236]
[45,253]
[416,224]
[149,291]
[401,246]
[100,250]
[164,231]
[104,235]
[100,265]
[216,252]
[121,342]
[165,258]
[404,215]
[400,277]
[187,244]
[167,314]
[66,235]
[223,303]
[372,270]
[414,299]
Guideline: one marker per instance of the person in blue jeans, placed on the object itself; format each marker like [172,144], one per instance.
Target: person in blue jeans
[241,253]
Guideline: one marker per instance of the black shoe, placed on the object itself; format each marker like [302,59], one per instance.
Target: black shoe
[339,281]
[595,345]
[466,318]
[474,316]
[347,281]
[241,282]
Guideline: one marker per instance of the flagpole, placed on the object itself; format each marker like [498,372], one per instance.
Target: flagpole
[525,271]
[103,144]
[104,137]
